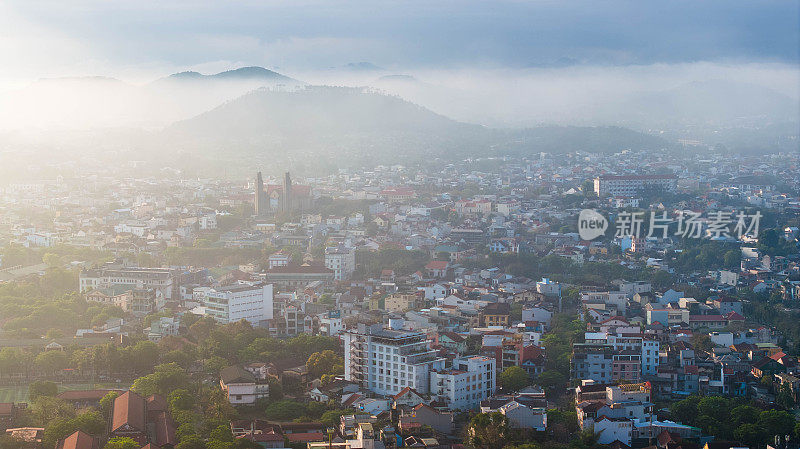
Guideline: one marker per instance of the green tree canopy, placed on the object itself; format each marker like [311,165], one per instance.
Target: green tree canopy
[42,388]
[121,443]
[489,431]
[324,362]
[514,378]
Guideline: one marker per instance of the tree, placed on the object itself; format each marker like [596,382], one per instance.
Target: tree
[222,433]
[144,356]
[185,431]
[588,189]
[52,260]
[744,414]
[192,442]
[166,378]
[91,422]
[244,443]
[562,423]
[325,362]
[9,442]
[121,443]
[42,388]
[10,360]
[331,418]
[284,410]
[489,431]
[686,409]
[551,380]
[750,434]
[714,406]
[107,403]
[775,422]
[784,398]
[514,378]
[732,258]
[47,408]
[702,342]
[180,399]
[51,361]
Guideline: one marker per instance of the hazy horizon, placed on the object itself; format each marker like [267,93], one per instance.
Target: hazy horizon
[651,67]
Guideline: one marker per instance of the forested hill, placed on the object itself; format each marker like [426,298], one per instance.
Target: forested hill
[354,123]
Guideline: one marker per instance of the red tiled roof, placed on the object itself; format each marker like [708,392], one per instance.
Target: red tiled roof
[78,440]
[6,408]
[156,402]
[305,437]
[615,318]
[128,409]
[778,355]
[262,437]
[733,316]
[165,430]
[706,318]
[437,265]
[351,399]
[300,269]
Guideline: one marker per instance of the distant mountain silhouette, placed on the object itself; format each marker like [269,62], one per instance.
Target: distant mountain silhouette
[360,124]
[242,73]
[363,66]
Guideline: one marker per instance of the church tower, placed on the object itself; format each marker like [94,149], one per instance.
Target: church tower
[260,203]
[286,201]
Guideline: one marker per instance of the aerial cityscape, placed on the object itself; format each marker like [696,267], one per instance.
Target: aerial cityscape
[276,247]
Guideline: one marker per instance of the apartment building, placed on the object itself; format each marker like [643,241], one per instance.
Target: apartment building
[400,302]
[386,360]
[469,381]
[161,279]
[608,185]
[618,300]
[592,361]
[341,260]
[233,303]
[634,354]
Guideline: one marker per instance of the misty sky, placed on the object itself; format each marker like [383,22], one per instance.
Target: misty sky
[141,39]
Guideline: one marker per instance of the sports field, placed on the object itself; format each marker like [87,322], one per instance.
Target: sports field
[20,394]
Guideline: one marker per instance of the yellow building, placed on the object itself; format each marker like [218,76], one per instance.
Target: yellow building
[400,302]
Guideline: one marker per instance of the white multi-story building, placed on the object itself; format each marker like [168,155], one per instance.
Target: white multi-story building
[342,260]
[241,386]
[548,287]
[385,361]
[41,239]
[331,323]
[624,414]
[650,358]
[208,221]
[629,348]
[237,302]
[592,361]
[618,299]
[608,185]
[160,279]
[163,327]
[279,259]
[634,287]
[470,380]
